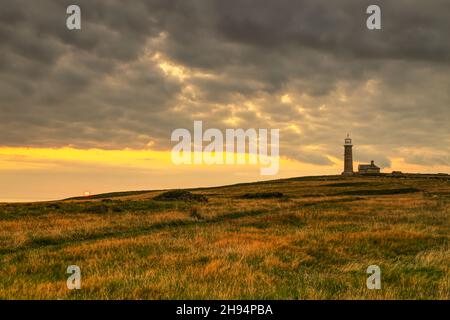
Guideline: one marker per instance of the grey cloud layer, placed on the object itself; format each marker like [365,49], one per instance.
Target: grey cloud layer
[102,86]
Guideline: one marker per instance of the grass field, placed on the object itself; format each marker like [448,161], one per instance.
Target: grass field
[300,238]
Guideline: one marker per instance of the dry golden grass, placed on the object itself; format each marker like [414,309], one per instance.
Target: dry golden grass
[314,243]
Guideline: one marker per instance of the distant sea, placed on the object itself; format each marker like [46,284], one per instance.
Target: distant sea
[23,200]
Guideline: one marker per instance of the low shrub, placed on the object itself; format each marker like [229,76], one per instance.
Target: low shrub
[262,195]
[180,195]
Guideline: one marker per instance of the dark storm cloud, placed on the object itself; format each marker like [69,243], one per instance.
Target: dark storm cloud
[105,86]
[411,29]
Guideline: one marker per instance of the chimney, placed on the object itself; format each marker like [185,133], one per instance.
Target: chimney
[371,163]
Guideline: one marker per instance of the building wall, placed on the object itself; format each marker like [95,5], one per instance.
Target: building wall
[370,170]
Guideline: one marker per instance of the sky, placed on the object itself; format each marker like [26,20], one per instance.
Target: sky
[92,110]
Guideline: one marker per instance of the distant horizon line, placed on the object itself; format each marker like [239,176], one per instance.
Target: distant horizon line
[12,200]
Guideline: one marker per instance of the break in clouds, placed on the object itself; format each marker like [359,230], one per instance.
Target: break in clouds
[136,71]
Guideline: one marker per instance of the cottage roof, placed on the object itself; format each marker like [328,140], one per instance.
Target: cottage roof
[368,166]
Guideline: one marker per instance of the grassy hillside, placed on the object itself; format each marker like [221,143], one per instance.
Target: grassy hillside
[300,238]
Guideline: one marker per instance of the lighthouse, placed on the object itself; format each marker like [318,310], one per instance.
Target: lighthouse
[348,156]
